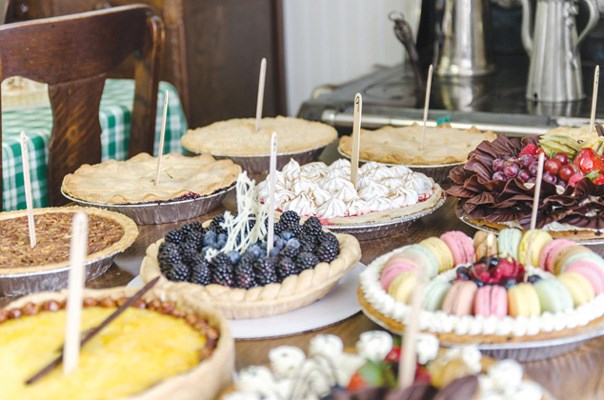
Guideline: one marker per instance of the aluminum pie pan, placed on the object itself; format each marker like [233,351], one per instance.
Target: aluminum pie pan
[155,213]
[261,163]
[438,172]
[586,241]
[385,228]
[50,280]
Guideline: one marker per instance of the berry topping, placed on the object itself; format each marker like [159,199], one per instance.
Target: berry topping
[529,149]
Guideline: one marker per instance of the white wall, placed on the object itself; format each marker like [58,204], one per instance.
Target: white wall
[335,41]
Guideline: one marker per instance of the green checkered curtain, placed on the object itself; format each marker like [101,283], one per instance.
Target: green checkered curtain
[114,116]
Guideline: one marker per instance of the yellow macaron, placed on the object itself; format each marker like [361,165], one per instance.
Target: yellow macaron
[485,244]
[523,301]
[579,287]
[441,252]
[402,286]
[532,241]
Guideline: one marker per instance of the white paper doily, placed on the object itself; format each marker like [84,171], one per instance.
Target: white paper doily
[340,303]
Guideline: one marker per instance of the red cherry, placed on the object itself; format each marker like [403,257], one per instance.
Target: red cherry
[566,171]
[562,157]
[552,166]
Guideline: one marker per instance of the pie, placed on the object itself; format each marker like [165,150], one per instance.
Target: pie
[133,181]
[18,92]
[108,234]
[498,299]
[165,346]
[401,145]
[237,137]
[293,292]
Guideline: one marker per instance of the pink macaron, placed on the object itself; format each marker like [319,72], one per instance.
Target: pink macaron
[460,298]
[461,246]
[395,266]
[592,272]
[491,300]
[551,251]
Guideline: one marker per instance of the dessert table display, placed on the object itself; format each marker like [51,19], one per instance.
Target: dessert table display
[114,116]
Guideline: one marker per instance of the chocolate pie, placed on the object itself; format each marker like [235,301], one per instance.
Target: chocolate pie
[133,181]
[109,233]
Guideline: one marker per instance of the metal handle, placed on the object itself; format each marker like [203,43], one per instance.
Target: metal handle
[594,16]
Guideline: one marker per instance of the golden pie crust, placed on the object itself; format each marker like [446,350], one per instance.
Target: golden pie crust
[16,243]
[401,145]
[294,292]
[203,382]
[237,137]
[133,181]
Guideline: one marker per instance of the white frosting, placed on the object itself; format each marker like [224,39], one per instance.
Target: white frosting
[374,345]
[329,346]
[440,322]
[426,347]
[286,360]
[504,381]
[379,187]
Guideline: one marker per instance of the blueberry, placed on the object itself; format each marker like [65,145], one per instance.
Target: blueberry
[463,270]
[286,235]
[254,250]
[274,251]
[221,240]
[509,283]
[234,256]
[479,283]
[463,276]
[278,242]
[533,279]
[209,239]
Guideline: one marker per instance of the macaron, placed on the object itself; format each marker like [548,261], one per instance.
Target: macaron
[485,244]
[589,256]
[579,287]
[532,241]
[396,265]
[551,251]
[402,286]
[425,258]
[553,295]
[508,242]
[461,247]
[491,300]
[441,251]
[572,253]
[460,298]
[592,272]
[523,301]
[434,294]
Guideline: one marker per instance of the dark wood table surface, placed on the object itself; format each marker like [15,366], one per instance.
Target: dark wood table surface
[575,375]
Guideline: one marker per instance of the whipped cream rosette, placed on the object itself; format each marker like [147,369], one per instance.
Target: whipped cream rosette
[383,194]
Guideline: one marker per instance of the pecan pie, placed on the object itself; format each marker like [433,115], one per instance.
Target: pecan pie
[109,233]
[237,137]
[190,354]
[133,181]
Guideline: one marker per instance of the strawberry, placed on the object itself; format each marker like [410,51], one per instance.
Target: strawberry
[588,161]
[394,355]
[574,179]
[507,268]
[530,150]
[422,374]
[600,179]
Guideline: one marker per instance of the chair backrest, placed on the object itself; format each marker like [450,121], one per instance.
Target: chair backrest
[73,55]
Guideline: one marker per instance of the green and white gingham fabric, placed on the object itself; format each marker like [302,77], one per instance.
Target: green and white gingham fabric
[114,115]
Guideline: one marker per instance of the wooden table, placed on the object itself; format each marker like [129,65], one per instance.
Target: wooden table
[576,375]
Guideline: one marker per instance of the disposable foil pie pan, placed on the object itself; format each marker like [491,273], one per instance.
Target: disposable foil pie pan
[162,212]
[438,172]
[381,229]
[260,163]
[50,280]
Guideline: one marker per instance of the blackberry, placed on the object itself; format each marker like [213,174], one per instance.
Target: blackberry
[196,238]
[247,259]
[169,253]
[175,236]
[221,260]
[244,275]
[222,270]
[186,196]
[179,273]
[278,227]
[188,251]
[312,227]
[292,248]
[187,228]
[290,219]
[328,237]
[286,267]
[264,268]
[306,260]
[328,252]
[215,224]
[307,246]
[200,272]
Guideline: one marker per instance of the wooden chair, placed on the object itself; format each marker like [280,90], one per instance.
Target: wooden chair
[73,55]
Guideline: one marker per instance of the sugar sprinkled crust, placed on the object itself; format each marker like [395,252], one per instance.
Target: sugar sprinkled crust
[133,181]
[237,137]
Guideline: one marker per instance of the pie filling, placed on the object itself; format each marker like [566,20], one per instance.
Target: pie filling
[53,236]
[121,360]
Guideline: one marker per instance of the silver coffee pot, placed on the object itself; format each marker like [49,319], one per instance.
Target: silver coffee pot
[555,68]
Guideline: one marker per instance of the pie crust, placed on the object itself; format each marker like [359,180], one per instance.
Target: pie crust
[237,137]
[401,145]
[294,292]
[61,237]
[203,382]
[133,181]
